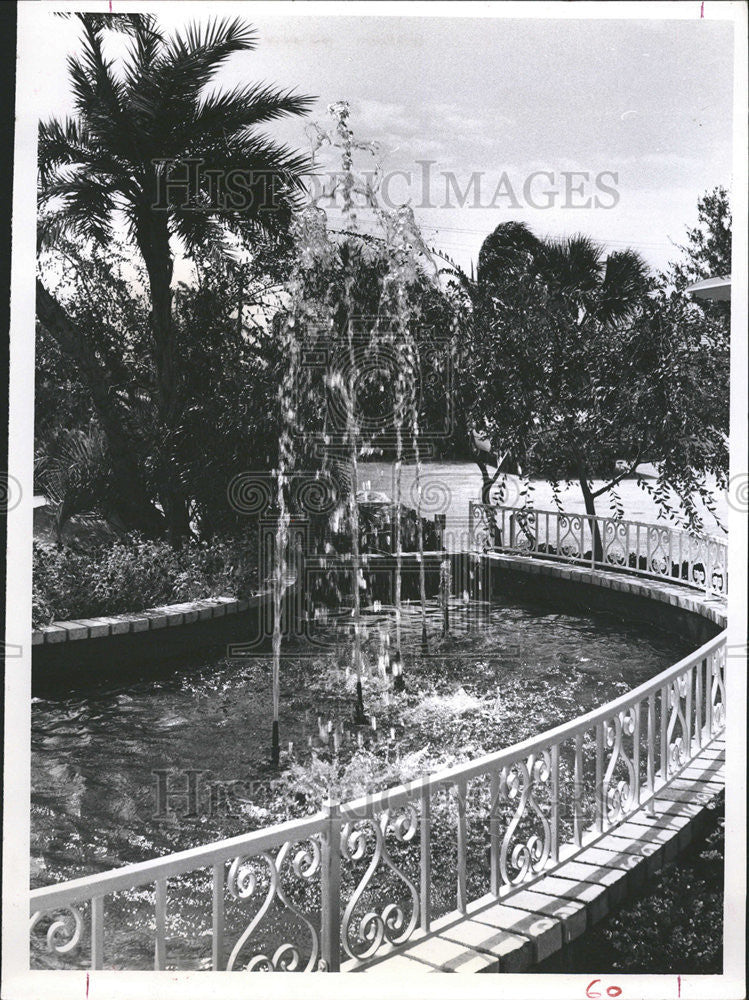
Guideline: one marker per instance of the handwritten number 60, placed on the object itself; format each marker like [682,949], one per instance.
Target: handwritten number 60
[611,991]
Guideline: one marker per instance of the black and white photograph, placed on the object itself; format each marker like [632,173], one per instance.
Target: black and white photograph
[377,500]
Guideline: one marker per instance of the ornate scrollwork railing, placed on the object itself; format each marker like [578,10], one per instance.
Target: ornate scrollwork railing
[651,550]
[395,919]
[356,880]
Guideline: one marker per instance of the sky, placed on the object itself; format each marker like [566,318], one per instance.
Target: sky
[612,128]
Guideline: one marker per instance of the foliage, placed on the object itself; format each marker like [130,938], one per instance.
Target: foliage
[707,252]
[226,371]
[676,927]
[125,156]
[575,363]
[136,573]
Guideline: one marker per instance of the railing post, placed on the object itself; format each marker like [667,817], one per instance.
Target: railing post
[330,876]
[494,842]
[651,754]
[600,791]
[556,519]
[426,856]
[555,804]
[628,546]
[217,943]
[664,732]
[709,694]
[636,752]
[578,799]
[670,553]
[159,959]
[698,696]
[462,791]
[97,932]
[680,574]
[708,573]
[583,519]
[471,531]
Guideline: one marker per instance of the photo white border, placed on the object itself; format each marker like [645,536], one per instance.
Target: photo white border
[18,982]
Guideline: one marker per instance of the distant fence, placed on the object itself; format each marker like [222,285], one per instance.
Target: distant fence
[650,550]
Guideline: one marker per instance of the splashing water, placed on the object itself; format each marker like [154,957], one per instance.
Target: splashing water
[315,311]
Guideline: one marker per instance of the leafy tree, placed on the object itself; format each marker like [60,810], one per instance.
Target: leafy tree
[137,130]
[707,252]
[92,365]
[228,369]
[572,366]
[550,305]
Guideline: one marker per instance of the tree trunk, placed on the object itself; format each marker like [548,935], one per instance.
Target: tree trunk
[133,504]
[590,509]
[153,240]
[487,482]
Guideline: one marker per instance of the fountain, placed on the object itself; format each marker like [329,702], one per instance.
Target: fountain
[311,313]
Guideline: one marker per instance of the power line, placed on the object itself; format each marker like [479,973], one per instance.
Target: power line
[645,244]
[480,232]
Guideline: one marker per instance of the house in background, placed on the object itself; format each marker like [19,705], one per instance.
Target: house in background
[716,289]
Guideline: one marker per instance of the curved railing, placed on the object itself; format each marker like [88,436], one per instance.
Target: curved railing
[657,551]
[335,889]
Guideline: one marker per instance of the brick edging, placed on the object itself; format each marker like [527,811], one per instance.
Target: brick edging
[676,594]
[141,621]
[216,607]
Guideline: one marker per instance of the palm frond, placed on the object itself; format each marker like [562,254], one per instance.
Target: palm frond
[62,142]
[189,62]
[127,23]
[147,43]
[86,202]
[510,248]
[625,283]
[244,107]
[101,98]
[572,265]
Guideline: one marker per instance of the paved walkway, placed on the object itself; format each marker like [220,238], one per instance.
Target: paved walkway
[530,922]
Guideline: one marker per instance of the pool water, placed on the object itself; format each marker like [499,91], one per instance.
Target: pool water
[505,672]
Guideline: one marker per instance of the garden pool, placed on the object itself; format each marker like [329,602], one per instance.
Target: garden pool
[103,756]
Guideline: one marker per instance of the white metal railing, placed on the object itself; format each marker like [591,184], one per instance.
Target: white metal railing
[650,550]
[357,879]
[344,885]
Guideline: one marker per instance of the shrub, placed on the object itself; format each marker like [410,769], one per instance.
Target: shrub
[134,573]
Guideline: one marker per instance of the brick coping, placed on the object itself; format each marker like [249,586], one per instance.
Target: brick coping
[714,609]
[142,621]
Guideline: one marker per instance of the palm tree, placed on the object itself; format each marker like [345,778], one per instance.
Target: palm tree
[148,147]
[573,272]
[572,279]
